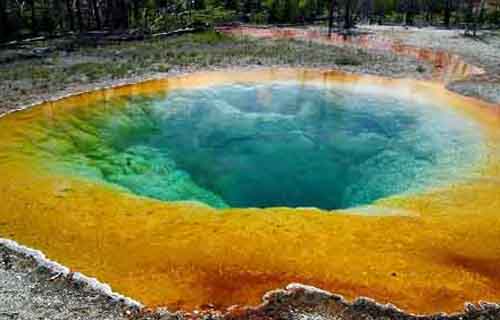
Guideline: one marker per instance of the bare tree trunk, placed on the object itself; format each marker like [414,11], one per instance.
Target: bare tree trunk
[469,16]
[97,17]
[497,13]
[477,16]
[447,12]
[136,13]
[56,7]
[330,17]
[69,8]
[119,15]
[125,14]
[409,18]
[347,15]
[4,26]
[79,14]
[112,13]
[33,16]
[410,11]
[108,14]
[473,16]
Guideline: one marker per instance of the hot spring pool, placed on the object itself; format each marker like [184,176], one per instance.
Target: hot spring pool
[216,187]
[280,143]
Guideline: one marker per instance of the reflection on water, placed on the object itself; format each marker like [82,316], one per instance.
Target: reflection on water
[68,168]
[281,144]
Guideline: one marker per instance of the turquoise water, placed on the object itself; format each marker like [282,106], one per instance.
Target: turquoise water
[279,144]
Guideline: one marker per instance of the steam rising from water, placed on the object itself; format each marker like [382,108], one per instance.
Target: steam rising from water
[275,144]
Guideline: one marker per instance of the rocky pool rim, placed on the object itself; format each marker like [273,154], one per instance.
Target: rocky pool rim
[105,289]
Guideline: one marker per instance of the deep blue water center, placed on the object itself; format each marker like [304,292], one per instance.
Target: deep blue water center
[275,144]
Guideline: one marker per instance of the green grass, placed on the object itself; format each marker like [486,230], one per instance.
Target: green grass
[348,61]
[420,69]
[90,69]
[211,48]
[197,50]
[24,71]
[95,71]
[92,64]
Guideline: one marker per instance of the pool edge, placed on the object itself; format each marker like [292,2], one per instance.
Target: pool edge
[291,289]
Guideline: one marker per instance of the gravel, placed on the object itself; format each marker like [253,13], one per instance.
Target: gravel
[31,291]
[34,292]
[483,51]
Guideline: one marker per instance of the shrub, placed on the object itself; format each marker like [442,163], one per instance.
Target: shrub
[348,61]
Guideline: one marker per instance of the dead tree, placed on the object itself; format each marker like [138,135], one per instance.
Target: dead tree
[348,21]
[448,7]
[349,7]
[410,8]
[4,25]
[69,9]
[475,11]
[330,16]
[95,13]
[32,5]
[79,15]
